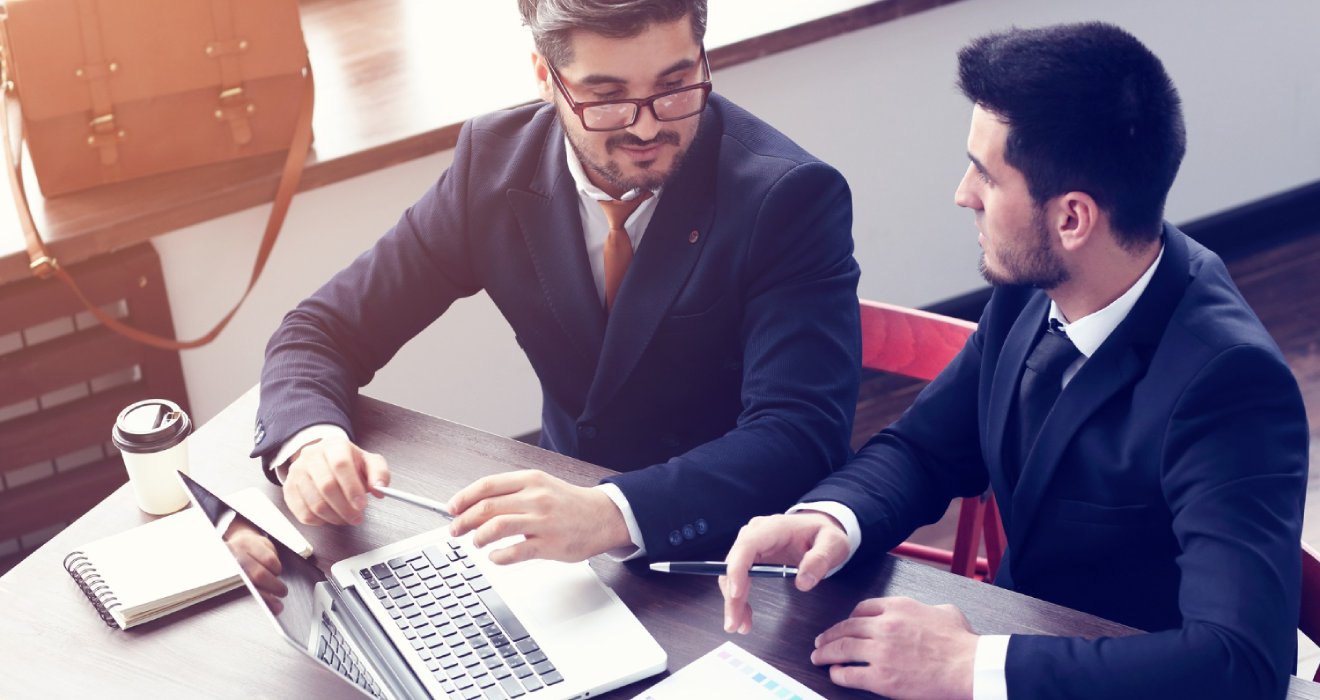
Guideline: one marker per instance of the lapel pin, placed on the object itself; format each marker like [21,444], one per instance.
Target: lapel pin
[692,237]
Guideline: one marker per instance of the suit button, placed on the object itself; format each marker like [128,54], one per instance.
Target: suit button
[689,532]
[587,431]
[675,539]
[701,526]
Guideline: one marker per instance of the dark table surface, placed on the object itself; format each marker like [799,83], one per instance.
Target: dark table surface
[53,645]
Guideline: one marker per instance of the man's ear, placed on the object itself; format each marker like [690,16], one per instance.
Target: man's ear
[1073,217]
[544,85]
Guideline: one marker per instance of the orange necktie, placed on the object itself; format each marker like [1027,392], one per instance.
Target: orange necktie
[618,247]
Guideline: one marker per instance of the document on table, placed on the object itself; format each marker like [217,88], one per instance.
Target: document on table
[729,671]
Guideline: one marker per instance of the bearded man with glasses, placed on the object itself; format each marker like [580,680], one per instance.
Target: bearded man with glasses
[679,274]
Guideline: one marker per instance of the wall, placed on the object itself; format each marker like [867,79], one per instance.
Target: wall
[878,103]
[1246,72]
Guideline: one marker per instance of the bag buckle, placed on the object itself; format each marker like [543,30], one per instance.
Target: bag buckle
[44,266]
[233,104]
[235,108]
[104,131]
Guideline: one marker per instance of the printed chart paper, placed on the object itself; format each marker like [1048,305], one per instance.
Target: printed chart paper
[729,671]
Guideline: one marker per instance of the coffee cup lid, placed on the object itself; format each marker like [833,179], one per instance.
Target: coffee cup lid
[150,425]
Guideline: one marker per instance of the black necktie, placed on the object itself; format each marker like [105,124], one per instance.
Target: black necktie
[1042,380]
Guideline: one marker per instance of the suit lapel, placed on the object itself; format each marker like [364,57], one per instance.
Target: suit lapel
[1008,372]
[662,264]
[1121,360]
[547,214]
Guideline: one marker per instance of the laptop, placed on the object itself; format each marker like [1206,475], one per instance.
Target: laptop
[431,617]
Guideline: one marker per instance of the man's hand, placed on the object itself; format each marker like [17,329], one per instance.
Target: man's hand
[259,560]
[559,520]
[900,648]
[327,482]
[814,542]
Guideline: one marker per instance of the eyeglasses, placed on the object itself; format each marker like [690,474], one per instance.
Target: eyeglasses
[667,106]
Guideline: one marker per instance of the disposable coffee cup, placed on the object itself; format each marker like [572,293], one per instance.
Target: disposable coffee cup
[150,435]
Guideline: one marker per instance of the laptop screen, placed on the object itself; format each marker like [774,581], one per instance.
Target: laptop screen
[289,595]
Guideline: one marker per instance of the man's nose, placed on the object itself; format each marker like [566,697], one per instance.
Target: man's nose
[646,126]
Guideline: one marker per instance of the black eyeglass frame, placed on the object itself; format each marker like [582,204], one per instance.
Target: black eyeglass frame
[638,104]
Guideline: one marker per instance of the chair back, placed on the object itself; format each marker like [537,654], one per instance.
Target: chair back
[910,342]
[919,344]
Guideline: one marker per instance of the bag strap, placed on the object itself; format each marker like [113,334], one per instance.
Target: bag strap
[45,266]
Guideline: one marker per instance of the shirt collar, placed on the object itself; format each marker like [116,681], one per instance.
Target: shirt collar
[585,187]
[1089,332]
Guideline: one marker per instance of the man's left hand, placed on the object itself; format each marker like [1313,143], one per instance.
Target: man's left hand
[900,648]
[560,521]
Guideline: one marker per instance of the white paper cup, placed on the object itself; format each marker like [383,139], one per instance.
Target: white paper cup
[151,436]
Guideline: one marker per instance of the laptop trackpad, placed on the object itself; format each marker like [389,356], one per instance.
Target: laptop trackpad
[546,594]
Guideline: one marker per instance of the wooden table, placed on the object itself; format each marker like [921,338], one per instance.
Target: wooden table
[52,645]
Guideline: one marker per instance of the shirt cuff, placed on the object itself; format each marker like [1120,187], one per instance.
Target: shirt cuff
[989,681]
[302,438]
[638,548]
[846,518]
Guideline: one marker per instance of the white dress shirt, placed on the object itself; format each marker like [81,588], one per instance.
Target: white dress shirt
[595,228]
[1087,334]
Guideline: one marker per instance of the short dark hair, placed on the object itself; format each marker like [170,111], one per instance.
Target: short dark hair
[1088,109]
[553,21]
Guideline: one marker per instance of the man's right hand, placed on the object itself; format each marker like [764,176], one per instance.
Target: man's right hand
[814,542]
[328,482]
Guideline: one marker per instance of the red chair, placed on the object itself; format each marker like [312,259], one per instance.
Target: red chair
[1309,621]
[918,344]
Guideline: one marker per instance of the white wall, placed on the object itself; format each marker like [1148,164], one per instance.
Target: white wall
[1248,73]
[883,109]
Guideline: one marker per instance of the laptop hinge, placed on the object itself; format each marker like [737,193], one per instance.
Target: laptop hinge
[394,671]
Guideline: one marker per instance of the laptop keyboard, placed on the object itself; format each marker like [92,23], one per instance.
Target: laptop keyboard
[338,655]
[468,638]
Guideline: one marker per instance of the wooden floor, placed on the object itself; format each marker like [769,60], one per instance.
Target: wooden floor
[1282,284]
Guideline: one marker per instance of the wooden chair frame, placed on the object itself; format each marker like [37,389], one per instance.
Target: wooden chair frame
[919,344]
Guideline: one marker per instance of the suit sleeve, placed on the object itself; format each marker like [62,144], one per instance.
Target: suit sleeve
[334,341]
[1235,465]
[906,475]
[801,364]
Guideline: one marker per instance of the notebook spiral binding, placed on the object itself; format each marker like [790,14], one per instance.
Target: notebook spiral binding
[93,586]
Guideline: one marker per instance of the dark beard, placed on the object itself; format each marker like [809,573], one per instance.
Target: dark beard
[613,175]
[1038,266]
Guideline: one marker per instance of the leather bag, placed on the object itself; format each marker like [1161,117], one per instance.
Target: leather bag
[108,90]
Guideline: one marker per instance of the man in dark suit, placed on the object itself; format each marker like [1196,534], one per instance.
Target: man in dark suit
[1145,440]
[716,365]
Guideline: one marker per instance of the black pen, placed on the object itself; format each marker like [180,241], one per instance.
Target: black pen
[718,568]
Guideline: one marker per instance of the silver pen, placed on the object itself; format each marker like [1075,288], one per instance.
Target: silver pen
[414,499]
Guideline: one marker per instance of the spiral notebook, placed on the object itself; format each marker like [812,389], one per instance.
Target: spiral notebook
[166,565]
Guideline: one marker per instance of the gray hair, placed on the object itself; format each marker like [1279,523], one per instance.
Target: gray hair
[553,21]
